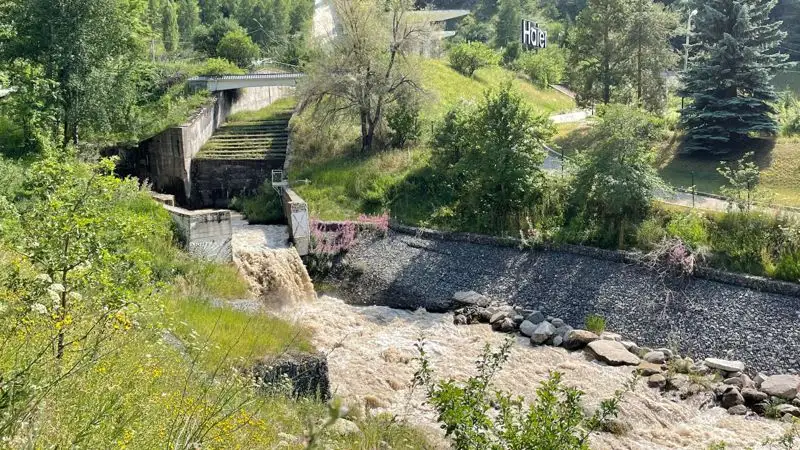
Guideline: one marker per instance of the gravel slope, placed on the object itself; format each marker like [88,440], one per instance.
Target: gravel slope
[702,319]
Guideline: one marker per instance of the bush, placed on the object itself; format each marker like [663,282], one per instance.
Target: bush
[217,67]
[742,241]
[266,207]
[237,47]
[650,233]
[206,39]
[595,323]
[544,67]
[471,56]
[404,124]
[691,228]
[555,420]
[788,267]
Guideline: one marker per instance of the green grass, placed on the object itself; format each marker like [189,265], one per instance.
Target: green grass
[789,80]
[279,109]
[341,185]
[446,86]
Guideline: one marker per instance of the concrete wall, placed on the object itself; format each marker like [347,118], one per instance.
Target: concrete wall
[214,181]
[167,157]
[206,234]
[296,211]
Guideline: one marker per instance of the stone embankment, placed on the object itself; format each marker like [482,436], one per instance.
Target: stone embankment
[722,382]
[699,318]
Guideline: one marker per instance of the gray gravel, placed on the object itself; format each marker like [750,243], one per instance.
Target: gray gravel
[703,318]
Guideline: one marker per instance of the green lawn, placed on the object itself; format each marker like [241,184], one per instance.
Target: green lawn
[342,185]
[279,109]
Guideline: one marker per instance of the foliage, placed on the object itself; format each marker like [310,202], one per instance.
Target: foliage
[206,39]
[595,323]
[85,51]
[492,154]
[619,50]
[188,18]
[650,233]
[217,67]
[544,67]
[788,114]
[170,33]
[555,420]
[367,68]
[507,27]
[404,122]
[265,207]
[237,47]
[471,56]
[735,56]
[691,228]
[743,180]
[615,178]
[471,30]
[742,241]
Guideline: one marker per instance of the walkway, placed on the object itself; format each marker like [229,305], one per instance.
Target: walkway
[228,82]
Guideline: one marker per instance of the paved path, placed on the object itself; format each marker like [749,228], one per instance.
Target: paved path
[571,117]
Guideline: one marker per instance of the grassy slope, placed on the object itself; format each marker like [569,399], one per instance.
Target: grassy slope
[343,186]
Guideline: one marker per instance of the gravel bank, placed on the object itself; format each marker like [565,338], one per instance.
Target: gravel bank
[702,318]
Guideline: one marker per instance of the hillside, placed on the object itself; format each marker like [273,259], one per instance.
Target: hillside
[339,185]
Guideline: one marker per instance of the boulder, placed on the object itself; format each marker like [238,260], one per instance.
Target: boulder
[498,316]
[609,336]
[631,346]
[484,315]
[657,381]
[760,408]
[505,325]
[667,352]
[731,397]
[536,317]
[737,410]
[753,396]
[788,409]
[526,328]
[783,386]
[471,298]
[557,341]
[543,332]
[724,365]
[796,401]
[558,323]
[563,330]
[735,381]
[656,357]
[613,353]
[460,319]
[518,319]
[759,379]
[577,339]
[646,369]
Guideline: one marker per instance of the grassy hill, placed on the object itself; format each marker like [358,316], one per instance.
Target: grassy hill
[341,185]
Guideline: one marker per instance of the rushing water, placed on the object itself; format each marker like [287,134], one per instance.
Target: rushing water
[371,353]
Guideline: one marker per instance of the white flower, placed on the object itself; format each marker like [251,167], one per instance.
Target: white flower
[75,296]
[39,308]
[56,287]
[54,297]
[44,278]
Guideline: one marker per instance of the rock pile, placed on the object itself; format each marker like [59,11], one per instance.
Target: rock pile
[724,382]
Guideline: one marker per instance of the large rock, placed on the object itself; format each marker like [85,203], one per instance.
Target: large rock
[646,369]
[577,339]
[788,409]
[655,357]
[613,353]
[753,396]
[657,381]
[543,332]
[535,317]
[308,373]
[724,365]
[783,386]
[731,397]
[471,298]
[737,410]
[526,328]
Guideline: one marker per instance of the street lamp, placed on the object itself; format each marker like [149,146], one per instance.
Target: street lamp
[686,47]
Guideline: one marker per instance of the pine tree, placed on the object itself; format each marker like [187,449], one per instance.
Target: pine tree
[649,32]
[188,18]
[730,75]
[170,26]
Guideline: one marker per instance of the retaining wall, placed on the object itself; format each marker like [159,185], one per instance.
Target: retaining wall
[215,181]
[166,159]
[205,233]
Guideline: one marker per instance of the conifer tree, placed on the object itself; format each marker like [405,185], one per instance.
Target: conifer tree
[188,18]
[170,26]
[509,20]
[730,75]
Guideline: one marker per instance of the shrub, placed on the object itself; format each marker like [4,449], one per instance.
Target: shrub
[788,267]
[206,39]
[650,233]
[237,46]
[544,67]
[595,323]
[216,67]
[403,121]
[691,228]
[266,207]
[742,241]
[471,56]
[555,420]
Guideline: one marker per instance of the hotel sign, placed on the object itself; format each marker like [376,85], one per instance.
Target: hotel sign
[533,36]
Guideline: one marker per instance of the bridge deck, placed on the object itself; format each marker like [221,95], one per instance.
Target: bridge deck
[227,82]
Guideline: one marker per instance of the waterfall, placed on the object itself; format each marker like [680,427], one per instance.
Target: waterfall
[277,276]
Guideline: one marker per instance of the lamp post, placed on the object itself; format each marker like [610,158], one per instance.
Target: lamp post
[686,46]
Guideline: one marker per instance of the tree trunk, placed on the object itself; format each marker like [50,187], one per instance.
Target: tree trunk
[621,234]
[366,140]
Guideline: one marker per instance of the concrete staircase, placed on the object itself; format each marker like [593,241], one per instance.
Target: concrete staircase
[261,140]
